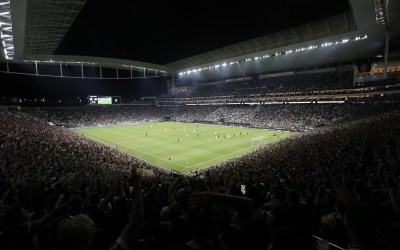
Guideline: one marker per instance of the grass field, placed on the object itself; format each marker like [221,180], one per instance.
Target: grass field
[183,147]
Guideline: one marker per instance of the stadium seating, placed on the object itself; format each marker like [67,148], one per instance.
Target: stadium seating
[293,187]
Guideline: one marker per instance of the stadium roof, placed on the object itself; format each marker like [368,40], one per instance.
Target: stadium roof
[173,37]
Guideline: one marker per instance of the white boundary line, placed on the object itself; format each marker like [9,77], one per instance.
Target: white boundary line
[187,167]
[217,157]
[191,146]
[117,143]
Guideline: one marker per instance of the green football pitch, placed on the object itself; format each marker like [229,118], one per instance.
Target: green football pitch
[183,147]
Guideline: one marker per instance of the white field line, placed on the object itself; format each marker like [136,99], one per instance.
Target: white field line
[221,156]
[191,146]
[117,143]
[217,157]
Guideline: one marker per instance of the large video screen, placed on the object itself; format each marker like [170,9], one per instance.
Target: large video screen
[104,100]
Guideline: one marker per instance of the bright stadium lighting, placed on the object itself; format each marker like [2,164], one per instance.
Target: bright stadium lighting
[310,47]
[380,11]
[6,34]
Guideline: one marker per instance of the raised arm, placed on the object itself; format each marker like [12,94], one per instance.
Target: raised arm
[113,189]
[128,236]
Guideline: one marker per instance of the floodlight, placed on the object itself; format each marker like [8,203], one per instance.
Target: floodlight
[380,11]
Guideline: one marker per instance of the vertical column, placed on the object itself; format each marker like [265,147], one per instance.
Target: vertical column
[101,73]
[386,54]
[355,72]
[144,72]
[116,70]
[354,75]
[36,68]
[173,86]
[61,73]
[82,71]
[387,38]
[131,72]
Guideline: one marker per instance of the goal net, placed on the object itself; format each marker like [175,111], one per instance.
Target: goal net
[256,141]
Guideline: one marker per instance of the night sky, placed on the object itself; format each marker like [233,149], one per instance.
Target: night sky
[164,31]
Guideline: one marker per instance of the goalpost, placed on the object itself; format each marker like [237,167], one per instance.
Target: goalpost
[256,140]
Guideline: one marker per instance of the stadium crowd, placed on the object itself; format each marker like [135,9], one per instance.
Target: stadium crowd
[340,182]
[299,81]
[294,117]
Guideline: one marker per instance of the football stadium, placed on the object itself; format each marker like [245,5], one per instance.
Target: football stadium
[211,125]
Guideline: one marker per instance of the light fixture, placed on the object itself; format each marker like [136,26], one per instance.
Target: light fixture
[380,12]
[6,33]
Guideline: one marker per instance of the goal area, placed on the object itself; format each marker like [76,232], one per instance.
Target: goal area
[257,140]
